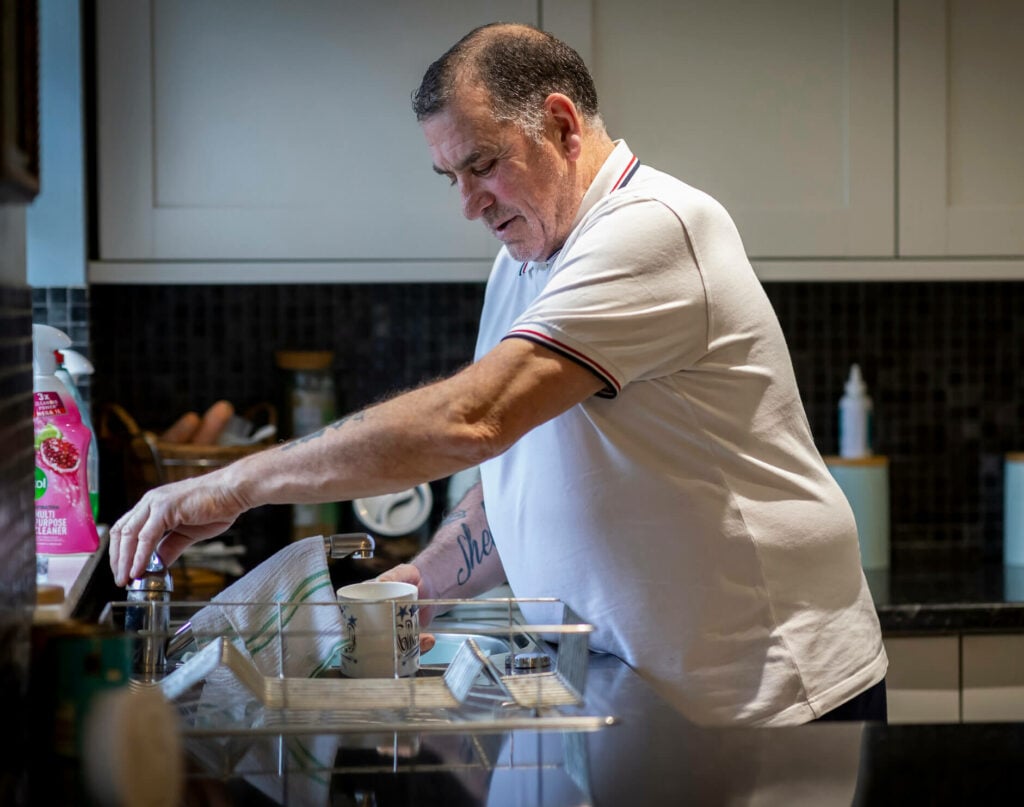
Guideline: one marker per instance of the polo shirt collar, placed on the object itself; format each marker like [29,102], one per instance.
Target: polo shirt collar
[617,170]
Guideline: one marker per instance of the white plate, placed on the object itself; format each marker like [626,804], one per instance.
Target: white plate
[396,513]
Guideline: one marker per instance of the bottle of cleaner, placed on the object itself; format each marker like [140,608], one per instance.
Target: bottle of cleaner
[64,521]
[855,410]
[72,367]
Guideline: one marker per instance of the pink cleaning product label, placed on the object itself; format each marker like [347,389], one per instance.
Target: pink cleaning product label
[64,521]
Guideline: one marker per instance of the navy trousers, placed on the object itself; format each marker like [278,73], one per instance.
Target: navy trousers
[869,705]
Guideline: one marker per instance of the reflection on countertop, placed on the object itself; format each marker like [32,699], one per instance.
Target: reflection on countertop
[651,755]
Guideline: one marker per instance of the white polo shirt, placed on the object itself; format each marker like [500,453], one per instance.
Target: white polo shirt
[684,511]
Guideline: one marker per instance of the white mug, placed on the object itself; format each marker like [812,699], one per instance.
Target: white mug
[380,629]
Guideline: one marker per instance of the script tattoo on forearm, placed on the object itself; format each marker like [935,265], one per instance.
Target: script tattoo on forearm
[356,416]
[454,515]
[473,552]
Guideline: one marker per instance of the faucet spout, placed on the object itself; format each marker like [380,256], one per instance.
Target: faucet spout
[349,544]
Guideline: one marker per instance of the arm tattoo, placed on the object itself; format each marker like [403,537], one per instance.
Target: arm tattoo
[454,515]
[473,552]
[322,431]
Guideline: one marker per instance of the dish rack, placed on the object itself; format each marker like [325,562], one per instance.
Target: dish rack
[506,673]
[305,739]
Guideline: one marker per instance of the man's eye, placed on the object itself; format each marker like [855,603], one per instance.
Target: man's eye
[485,169]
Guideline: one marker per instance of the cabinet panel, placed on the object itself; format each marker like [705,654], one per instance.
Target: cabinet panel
[783,111]
[282,132]
[923,681]
[961,89]
[993,670]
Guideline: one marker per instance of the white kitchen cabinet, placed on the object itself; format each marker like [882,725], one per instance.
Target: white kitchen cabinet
[783,111]
[277,134]
[273,142]
[993,678]
[923,682]
[969,678]
[961,118]
[282,136]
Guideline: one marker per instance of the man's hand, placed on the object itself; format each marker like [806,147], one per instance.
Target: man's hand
[171,518]
[407,573]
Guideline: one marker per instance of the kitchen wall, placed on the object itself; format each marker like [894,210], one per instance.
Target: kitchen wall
[17,541]
[942,360]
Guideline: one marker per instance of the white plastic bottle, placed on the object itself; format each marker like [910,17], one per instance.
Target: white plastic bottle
[855,411]
[73,365]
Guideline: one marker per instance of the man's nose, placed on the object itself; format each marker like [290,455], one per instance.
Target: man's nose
[475,199]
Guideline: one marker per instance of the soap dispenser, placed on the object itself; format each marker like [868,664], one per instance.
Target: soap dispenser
[855,414]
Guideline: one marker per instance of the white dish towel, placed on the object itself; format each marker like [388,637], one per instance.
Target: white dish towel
[284,614]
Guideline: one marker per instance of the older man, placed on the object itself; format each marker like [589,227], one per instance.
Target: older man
[644,452]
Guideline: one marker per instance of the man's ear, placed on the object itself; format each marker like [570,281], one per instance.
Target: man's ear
[567,124]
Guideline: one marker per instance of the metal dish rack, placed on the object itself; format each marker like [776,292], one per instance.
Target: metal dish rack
[289,733]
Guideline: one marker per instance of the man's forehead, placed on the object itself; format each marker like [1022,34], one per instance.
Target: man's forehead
[459,137]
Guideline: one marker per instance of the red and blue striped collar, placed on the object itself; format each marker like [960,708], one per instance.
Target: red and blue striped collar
[627,173]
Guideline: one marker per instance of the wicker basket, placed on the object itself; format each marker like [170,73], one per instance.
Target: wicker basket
[150,462]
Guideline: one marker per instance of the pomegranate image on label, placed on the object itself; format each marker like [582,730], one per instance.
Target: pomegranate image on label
[60,455]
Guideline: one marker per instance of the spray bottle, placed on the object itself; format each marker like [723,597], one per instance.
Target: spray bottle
[73,366]
[855,410]
[64,521]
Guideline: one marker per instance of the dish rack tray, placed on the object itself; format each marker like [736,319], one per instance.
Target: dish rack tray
[502,673]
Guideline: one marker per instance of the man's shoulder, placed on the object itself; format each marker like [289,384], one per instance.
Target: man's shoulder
[671,190]
[653,189]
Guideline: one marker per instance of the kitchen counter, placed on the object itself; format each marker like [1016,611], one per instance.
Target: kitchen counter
[651,755]
[73,573]
[940,593]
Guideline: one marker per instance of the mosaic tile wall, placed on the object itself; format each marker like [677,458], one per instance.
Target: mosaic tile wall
[68,310]
[943,362]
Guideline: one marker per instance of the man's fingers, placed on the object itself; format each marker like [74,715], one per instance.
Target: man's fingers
[173,545]
[115,547]
[427,641]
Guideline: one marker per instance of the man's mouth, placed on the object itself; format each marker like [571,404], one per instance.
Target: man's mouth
[503,225]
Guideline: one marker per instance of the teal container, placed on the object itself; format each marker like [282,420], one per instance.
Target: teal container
[865,482]
[1013,510]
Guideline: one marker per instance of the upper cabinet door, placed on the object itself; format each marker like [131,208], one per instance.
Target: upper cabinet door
[961,127]
[276,131]
[783,111]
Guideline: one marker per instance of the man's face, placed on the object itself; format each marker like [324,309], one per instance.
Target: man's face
[519,188]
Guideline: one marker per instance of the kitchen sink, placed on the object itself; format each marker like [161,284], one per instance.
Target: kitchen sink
[446,645]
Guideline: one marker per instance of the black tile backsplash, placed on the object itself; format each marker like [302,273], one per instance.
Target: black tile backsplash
[943,363]
[942,360]
[66,308]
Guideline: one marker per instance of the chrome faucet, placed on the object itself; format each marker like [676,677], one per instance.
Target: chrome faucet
[354,544]
[151,618]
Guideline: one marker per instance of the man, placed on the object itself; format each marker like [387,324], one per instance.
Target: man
[644,453]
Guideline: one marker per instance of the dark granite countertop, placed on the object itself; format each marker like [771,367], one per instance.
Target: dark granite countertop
[651,755]
[948,594]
